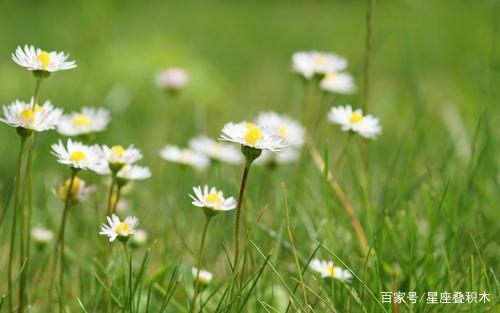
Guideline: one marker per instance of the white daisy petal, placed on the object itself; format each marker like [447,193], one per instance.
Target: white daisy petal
[38,60]
[173,79]
[251,135]
[365,125]
[32,117]
[313,63]
[78,155]
[89,120]
[327,270]
[121,230]
[185,157]
[212,199]
[215,150]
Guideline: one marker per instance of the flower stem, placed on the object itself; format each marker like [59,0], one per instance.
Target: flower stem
[342,154]
[239,208]
[14,219]
[198,266]
[60,237]
[128,257]
[110,195]
[36,92]
[115,204]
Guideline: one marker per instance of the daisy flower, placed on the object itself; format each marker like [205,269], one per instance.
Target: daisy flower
[117,156]
[310,63]
[327,270]
[79,191]
[184,156]
[42,235]
[132,172]
[172,79]
[204,277]
[89,120]
[140,237]
[250,135]
[215,150]
[282,126]
[31,117]
[121,230]
[78,155]
[211,200]
[289,155]
[365,125]
[39,60]
[342,83]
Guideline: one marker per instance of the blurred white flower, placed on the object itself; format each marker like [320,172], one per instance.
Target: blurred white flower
[42,235]
[39,60]
[288,155]
[121,230]
[310,63]
[117,156]
[335,82]
[204,277]
[31,117]
[79,191]
[251,135]
[184,156]
[215,150]
[365,125]
[78,155]
[282,126]
[140,237]
[327,270]
[133,172]
[173,79]
[89,120]
[211,200]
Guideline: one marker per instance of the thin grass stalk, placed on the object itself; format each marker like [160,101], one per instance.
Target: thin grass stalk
[343,152]
[199,264]
[239,208]
[367,76]
[14,219]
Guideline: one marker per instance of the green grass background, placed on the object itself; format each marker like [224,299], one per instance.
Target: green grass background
[432,212]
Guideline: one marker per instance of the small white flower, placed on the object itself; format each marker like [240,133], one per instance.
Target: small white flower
[89,120]
[79,191]
[172,79]
[349,120]
[121,230]
[212,200]
[184,156]
[118,155]
[39,60]
[78,155]
[342,83]
[204,277]
[140,237]
[288,155]
[215,150]
[251,135]
[42,235]
[327,270]
[317,63]
[32,117]
[282,126]
[134,172]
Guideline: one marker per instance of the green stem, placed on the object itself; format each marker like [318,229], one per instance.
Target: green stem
[198,266]
[342,154]
[115,204]
[14,220]
[60,237]
[239,208]
[128,257]
[36,92]
[110,195]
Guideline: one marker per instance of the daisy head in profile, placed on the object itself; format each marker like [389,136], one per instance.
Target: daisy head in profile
[202,276]
[252,138]
[185,157]
[327,270]
[28,117]
[118,156]
[42,236]
[122,230]
[354,121]
[172,79]
[336,82]
[41,62]
[88,121]
[283,126]
[78,156]
[211,200]
[131,172]
[79,190]
[315,63]
[216,151]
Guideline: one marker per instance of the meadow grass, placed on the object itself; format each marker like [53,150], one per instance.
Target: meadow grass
[428,204]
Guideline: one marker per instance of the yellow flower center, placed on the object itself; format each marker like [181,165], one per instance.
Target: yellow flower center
[212,197]
[330,75]
[356,117]
[122,228]
[320,58]
[77,156]
[74,188]
[253,134]
[282,131]
[118,150]
[330,270]
[27,115]
[81,120]
[44,58]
